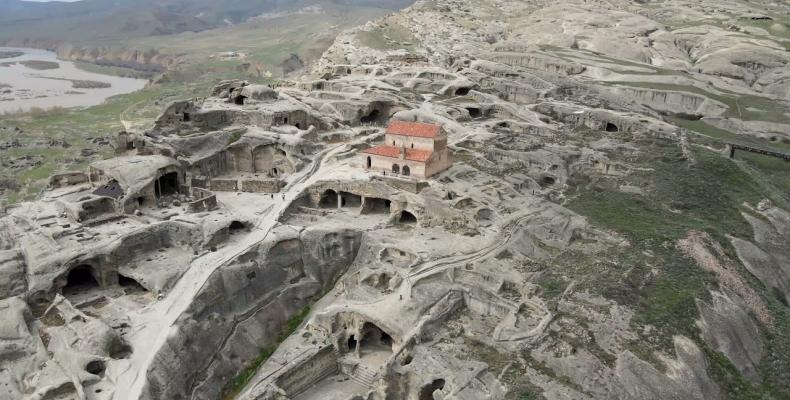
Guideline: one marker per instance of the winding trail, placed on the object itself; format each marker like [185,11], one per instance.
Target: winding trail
[154,324]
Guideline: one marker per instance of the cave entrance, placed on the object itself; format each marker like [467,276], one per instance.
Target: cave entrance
[610,127]
[407,218]
[548,180]
[350,200]
[167,185]
[328,199]
[374,340]
[369,162]
[371,118]
[130,285]
[186,117]
[374,205]
[395,169]
[475,112]
[96,367]
[81,279]
[239,100]
[462,91]
[352,343]
[426,393]
[236,227]
[406,170]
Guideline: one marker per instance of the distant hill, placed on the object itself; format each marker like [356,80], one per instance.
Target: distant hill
[111,21]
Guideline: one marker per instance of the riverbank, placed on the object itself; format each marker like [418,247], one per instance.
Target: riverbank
[37,79]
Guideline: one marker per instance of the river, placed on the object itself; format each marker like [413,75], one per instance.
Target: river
[50,82]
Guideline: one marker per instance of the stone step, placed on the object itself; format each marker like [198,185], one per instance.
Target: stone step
[364,376]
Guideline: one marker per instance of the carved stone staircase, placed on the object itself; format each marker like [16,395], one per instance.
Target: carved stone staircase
[364,376]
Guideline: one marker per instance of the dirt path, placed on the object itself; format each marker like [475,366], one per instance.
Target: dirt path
[156,323]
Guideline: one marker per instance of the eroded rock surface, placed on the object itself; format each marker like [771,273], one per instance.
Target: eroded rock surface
[591,240]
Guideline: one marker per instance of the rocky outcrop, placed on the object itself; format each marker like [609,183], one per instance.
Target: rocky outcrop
[243,308]
[727,327]
[13,281]
[768,258]
[686,378]
[149,60]
[21,349]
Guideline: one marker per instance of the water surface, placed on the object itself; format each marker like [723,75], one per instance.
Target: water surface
[23,87]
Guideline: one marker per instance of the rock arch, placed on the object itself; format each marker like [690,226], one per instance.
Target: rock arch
[80,279]
[374,339]
[407,218]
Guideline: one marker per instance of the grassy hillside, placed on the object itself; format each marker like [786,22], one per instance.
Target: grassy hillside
[107,22]
[43,143]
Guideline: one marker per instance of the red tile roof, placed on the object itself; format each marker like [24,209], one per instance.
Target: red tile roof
[416,129]
[418,155]
[394,152]
[382,150]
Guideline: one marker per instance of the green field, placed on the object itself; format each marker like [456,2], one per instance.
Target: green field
[265,44]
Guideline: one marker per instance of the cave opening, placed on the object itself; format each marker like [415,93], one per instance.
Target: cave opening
[122,351]
[371,118]
[130,284]
[427,391]
[350,200]
[474,112]
[239,100]
[462,91]
[236,226]
[79,280]
[374,339]
[167,185]
[374,205]
[352,343]
[610,127]
[407,218]
[407,360]
[328,199]
[96,367]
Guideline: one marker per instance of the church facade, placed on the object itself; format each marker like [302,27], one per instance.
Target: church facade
[410,150]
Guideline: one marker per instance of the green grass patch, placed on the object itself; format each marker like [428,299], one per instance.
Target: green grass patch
[113,70]
[652,275]
[240,381]
[680,197]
